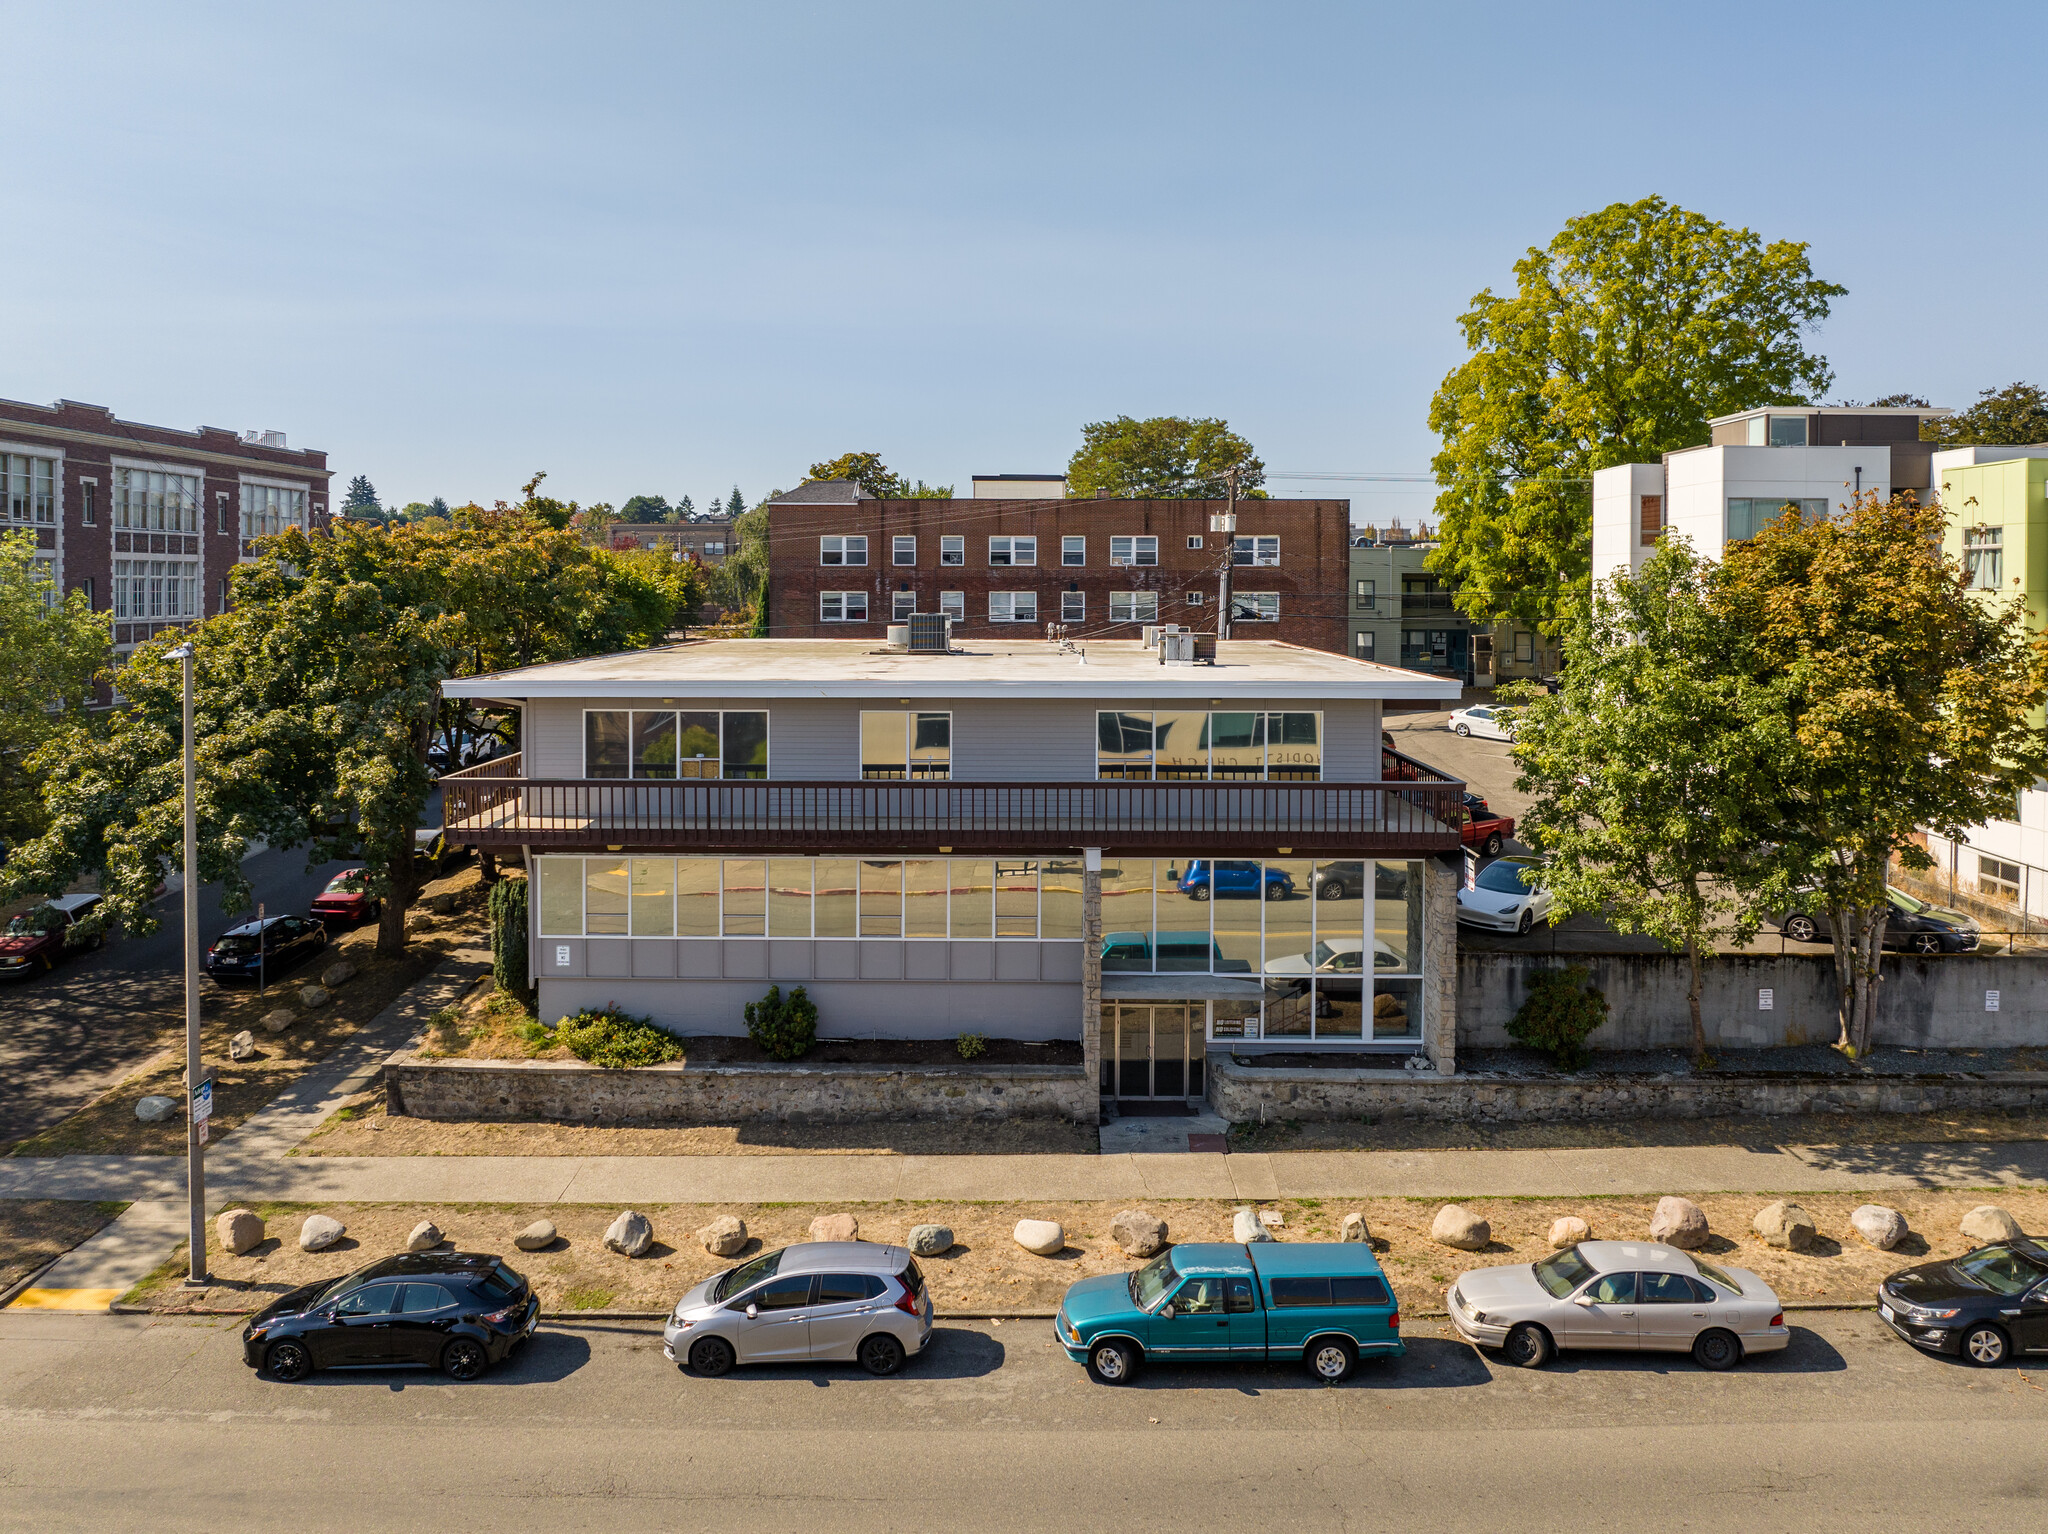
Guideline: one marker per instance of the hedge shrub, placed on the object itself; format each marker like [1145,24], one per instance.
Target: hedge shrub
[784,1026]
[1561,1010]
[611,1039]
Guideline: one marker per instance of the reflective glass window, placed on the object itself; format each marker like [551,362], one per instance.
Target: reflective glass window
[1290,944]
[1340,1008]
[561,896]
[1180,745]
[1126,914]
[1016,899]
[605,894]
[1181,938]
[1294,746]
[607,742]
[924,897]
[746,898]
[1123,745]
[1237,746]
[1059,900]
[789,897]
[697,744]
[838,893]
[1397,1009]
[654,745]
[746,744]
[974,898]
[654,897]
[1238,912]
[1290,1008]
[1397,917]
[697,897]
[881,899]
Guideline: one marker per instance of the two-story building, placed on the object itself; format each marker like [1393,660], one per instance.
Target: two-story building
[1404,613]
[1005,837]
[1004,564]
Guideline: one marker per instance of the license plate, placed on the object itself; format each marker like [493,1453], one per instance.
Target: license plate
[1886,1312]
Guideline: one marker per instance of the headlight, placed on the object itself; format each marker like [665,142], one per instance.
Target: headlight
[681,1324]
[258,1333]
[1071,1331]
[1936,1315]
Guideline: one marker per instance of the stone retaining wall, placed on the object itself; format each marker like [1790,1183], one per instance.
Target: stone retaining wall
[1247,1093]
[574,1093]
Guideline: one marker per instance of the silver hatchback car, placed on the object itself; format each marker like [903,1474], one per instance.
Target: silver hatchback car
[818,1299]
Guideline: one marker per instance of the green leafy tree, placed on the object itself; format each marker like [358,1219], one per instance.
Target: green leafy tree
[1888,700]
[56,652]
[869,472]
[646,508]
[737,503]
[1165,457]
[318,694]
[361,497]
[2010,417]
[682,581]
[1623,336]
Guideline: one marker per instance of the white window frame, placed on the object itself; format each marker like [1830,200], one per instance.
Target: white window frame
[766,767]
[839,549]
[1255,607]
[286,508]
[1003,606]
[1015,552]
[1196,598]
[1073,607]
[838,607]
[181,471]
[1365,645]
[900,545]
[953,604]
[1134,607]
[1073,550]
[1138,549]
[901,605]
[952,550]
[88,502]
[1254,550]
[1194,540]
[157,588]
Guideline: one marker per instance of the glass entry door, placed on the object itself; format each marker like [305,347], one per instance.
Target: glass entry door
[1153,1049]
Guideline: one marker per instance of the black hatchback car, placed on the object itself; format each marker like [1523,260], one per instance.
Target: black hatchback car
[266,949]
[1983,1307]
[459,1313]
[1911,925]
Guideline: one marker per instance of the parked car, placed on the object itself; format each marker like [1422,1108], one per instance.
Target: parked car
[347,899]
[1982,1307]
[1324,1302]
[1336,956]
[457,1312]
[37,938]
[1225,878]
[1484,829]
[432,852]
[1501,901]
[1346,881]
[265,949]
[1488,721]
[814,1300]
[1177,952]
[1911,925]
[1618,1295]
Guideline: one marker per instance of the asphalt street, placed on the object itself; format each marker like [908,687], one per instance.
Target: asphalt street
[111,1423]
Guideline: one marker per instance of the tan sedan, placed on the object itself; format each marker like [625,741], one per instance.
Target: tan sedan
[1618,1294]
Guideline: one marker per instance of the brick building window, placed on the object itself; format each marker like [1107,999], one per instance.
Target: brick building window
[1013,607]
[1652,519]
[156,588]
[165,503]
[1255,607]
[1073,551]
[901,605]
[1194,540]
[1196,599]
[31,487]
[268,510]
[1073,607]
[842,607]
[88,503]
[842,551]
[1255,551]
[1134,607]
[1013,551]
[903,550]
[952,551]
[953,604]
[1134,551]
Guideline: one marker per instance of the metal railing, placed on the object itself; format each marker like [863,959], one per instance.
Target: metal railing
[1415,810]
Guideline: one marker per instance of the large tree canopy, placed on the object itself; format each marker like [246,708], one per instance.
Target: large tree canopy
[55,653]
[1166,457]
[869,472]
[1633,327]
[2008,417]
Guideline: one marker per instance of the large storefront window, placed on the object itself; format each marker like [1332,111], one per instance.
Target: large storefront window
[663,745]
[1221,747]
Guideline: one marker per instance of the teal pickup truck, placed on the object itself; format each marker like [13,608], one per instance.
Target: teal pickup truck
[1324,1302]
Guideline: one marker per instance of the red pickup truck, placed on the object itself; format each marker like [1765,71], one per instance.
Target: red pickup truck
[1484,829]
[36,939]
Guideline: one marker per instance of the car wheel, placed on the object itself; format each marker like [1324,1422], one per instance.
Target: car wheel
[1492,845]
[1985,1346]
[1800,929]
[288,1361]
[1199,892]
[1112,1363]
[1527,1347]
[1716,1350]
[880,1354]
[1522,927]
[464,1359]
[1331,1359]
[1277,892]
[711,1357]
[1925,942]
[1330,890]
[1462,729]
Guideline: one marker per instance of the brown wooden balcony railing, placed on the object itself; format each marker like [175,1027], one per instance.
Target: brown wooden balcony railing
[1415,811]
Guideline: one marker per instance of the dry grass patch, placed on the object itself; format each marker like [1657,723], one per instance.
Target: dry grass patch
[35,1230]
[987,1271]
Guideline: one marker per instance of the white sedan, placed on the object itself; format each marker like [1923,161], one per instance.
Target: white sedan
[1335,956]
[1500,901]
[1486,720]
[1619,1295]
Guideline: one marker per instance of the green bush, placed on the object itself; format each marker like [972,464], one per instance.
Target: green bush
[1560,1011]
[508,907]
[971,1046]
[611,1039]
[785,1027]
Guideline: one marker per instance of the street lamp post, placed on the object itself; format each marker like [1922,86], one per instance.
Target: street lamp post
[195,1154]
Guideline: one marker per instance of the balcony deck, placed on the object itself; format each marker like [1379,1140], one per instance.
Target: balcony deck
[1413,810]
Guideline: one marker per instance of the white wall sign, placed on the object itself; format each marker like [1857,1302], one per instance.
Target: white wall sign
[1766,999]
[561,956]
[1991,1001]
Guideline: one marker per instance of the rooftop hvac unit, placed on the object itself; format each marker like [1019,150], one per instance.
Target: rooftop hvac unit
[930,634]
[1176,649]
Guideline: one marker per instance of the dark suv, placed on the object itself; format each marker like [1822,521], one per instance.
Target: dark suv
[458,1312]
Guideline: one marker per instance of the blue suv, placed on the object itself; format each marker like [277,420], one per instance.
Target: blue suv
[1226,879]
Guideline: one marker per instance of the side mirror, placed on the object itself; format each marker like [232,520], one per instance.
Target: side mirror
[753,1312]
[1166,1312]
[1582,1299]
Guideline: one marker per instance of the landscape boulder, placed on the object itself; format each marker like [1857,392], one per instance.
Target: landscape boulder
[725,1236]
[537,1237]
[1041,1238]
[320,1232]
[631,1234]
[1679,1222]
[442,904]
[1881,1226]
[1987,1223]
[1354,1228]
[1784,1225]
[1139,1232]
[337,974]
[1459,1227]
[314,997]
[278,1021]
[424,1238]
[1246,1226]
[835,1227]
[929,1240]
[155,1108]
[238,1231]
[242,1045]
[1568,1230]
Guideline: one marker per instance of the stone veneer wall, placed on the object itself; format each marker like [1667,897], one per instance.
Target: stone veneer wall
[1440,962]
[1249,1093]
[571,1092]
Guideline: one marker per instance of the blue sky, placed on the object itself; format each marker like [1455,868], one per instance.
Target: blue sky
[664,248]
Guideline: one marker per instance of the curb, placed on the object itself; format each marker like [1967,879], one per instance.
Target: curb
[568,1316]
[22,1285]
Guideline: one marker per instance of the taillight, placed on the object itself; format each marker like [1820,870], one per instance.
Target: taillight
[505,1316]
[907,1303]
[1778,1319]
[1394,1321]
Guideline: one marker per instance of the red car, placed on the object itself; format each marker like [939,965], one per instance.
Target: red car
[37,938]
[1484,829]
[346,898]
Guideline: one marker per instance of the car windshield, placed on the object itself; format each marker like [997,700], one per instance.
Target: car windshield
[1503,876]
[42,919]
[2001,1270]
[237,947]
[345,884]
[1154,1282]
[1901,901]
[1323,954]
[1562,1272]
[1720,1276]
[748,1274]
[500,1283]
[341,1286]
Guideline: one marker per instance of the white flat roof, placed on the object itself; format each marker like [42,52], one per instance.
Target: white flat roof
[976,668]
[1923,411]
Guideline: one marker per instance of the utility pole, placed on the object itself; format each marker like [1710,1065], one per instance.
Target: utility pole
[1225,522]
[195,1153]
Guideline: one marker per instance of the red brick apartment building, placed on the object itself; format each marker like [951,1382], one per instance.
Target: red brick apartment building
[842,564]
[147,520]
